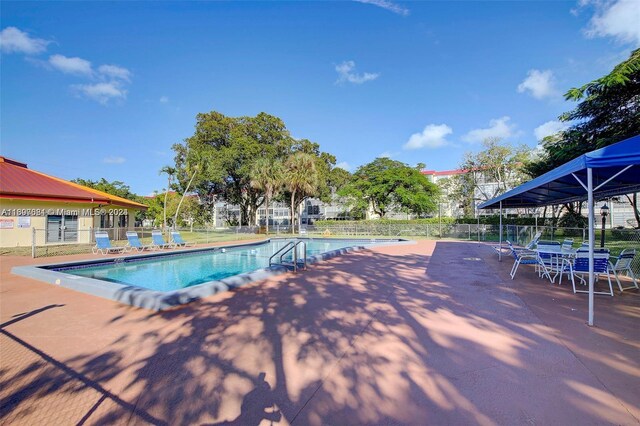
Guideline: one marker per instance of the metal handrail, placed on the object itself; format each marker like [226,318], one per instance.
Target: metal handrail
[286,247]
[295,255]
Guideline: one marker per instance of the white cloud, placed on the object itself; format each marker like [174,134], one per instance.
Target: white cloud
[77,66]
[549,128]
[114,160]
[386,154]
[395,8]
[433,136]
[346,73]
[101,92]
[344,165]
[618,18]
[115,72]
[14,40]
[539,84]
[164,99]
[498,128]
[108,81]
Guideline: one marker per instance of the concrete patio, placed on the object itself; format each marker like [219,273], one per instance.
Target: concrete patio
[430,333]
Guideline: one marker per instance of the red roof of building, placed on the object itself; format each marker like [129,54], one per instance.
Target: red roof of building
[19,182]
[444,172]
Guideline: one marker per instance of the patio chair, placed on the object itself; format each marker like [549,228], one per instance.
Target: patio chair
[134,242]
[567,244]
[534,241]
[103,244]
[580,267]
[158,240]
[623,264]
[531,245]
[522,257]
[177,240]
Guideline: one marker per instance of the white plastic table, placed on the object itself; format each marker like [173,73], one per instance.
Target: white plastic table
[557,253]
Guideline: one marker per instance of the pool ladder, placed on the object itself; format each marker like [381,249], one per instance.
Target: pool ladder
[293,248]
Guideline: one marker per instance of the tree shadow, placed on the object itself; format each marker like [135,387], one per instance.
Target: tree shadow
[395,335]
[257,405]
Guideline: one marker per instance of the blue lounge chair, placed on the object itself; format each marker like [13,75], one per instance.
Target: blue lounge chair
[158,240]
[523,257]
[103,244]
[177,240]
[135,244]
[567,244]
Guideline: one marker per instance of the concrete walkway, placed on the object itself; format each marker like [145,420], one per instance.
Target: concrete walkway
[431,333]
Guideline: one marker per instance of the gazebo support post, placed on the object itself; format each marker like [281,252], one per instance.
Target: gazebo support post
[500,251]
[591,205]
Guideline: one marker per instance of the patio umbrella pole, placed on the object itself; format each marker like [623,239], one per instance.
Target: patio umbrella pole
[500,251]
[591,240]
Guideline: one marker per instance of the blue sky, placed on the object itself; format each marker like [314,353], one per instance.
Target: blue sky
[97,89]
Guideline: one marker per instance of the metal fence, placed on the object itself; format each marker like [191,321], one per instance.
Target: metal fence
[45,243]
[615,239]
[82,241]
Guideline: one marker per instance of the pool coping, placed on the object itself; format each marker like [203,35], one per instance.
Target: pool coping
[160,300]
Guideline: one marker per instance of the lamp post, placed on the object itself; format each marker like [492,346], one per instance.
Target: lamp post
[604,212]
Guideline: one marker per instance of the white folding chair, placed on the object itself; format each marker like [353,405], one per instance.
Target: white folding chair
[623,264]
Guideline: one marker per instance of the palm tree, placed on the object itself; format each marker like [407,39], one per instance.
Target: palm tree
[171,172]
[267,175]
[193,164]
[301,180]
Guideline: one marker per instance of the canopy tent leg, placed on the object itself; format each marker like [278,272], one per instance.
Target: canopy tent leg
[500,251]
[591,241]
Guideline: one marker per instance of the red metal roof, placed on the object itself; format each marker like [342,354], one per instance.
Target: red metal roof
[19,182]
[444,172]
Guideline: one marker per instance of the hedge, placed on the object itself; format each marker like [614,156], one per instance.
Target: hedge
[486,220]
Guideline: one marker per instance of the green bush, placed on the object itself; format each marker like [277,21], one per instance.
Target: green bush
[485,220]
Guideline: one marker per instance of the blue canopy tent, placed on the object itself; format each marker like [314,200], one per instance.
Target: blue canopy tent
[603,173]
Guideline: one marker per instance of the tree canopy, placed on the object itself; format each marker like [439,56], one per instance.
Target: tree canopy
[223,151]
[494,170]
[608,111]
[386,184]
[116,187]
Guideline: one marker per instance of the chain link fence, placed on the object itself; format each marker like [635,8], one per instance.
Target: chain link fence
[81,241]
[61,242]
[616,240]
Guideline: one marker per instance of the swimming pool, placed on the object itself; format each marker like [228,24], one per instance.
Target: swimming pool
[169,278]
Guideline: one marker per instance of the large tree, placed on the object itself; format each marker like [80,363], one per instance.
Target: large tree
[385,184]
[492,171]
[608,111]
[225,149]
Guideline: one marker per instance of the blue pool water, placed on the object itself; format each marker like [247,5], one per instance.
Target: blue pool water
[167,273]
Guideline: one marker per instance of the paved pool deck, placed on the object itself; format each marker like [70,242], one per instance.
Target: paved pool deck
[429,333]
